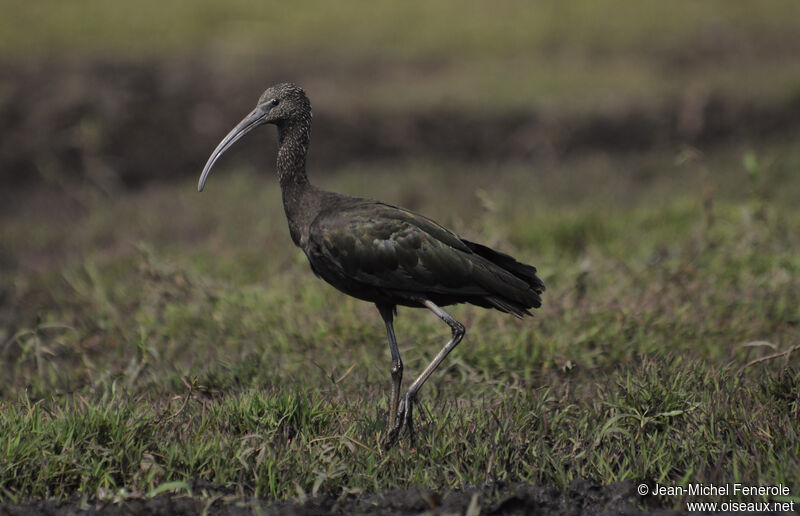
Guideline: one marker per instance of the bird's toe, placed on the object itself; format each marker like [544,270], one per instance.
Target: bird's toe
[404,422]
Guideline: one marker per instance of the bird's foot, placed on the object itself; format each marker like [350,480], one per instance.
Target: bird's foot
[403,422]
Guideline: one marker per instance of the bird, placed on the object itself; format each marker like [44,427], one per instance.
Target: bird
[381,253]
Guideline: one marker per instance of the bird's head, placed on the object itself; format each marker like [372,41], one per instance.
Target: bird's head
[281,105]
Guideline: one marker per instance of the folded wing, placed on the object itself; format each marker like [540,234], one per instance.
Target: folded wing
[409,258]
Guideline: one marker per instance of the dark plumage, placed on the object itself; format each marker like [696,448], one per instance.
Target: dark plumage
[388,255]
[381,253]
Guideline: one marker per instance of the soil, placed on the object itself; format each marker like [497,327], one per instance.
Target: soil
[124,124]
[582,496]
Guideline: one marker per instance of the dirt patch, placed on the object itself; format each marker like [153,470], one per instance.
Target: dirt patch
[114,124]
[583,496]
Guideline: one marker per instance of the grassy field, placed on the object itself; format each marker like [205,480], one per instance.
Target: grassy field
[411,56]
[167,336]
[160,341]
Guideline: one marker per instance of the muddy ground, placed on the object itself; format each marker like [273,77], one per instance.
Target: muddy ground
[582,497]
[114,124]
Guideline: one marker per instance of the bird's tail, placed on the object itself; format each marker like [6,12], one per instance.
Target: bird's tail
[515,304]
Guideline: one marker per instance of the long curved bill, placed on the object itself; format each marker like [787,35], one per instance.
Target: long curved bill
[250,122]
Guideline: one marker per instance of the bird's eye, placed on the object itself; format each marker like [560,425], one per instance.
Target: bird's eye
[274,102]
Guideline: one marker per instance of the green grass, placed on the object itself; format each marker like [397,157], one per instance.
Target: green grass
[167,336]
[414,55]
[414,29]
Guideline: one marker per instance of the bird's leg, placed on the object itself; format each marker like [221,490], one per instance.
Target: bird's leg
[387,312]
[404,416]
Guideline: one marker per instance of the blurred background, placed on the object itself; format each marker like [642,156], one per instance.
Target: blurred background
[117,95]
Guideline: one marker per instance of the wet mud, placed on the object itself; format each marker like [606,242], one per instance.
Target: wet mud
[126,124]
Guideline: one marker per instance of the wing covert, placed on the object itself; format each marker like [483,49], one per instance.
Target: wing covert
[390,248]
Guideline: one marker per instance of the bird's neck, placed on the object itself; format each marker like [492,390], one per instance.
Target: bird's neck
[293,138]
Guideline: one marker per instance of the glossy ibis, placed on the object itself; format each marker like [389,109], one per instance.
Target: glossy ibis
[382,253]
